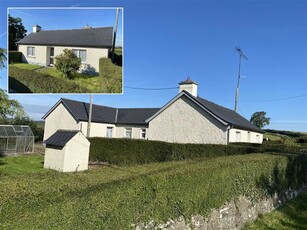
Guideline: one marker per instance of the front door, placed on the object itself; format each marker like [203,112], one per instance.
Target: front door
[51,57]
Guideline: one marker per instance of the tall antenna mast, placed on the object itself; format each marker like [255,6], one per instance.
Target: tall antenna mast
[241,54]
[88,133]
[114,33]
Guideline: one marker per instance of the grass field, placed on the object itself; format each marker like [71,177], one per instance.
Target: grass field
[292,215]
[116,197]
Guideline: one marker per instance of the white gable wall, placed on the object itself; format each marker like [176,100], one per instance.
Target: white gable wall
[42,54]
[184,122]
[76,154]
[59,118]
[239,135]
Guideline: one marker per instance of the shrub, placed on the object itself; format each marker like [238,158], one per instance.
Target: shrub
[67,63]
[15,57]
[29,81]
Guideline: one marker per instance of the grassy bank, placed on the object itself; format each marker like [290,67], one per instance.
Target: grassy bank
[292,215]
[116,197]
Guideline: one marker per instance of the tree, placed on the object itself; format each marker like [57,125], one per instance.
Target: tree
[259,119]
[17,31]
[9,109]
[67,63]
[2,58]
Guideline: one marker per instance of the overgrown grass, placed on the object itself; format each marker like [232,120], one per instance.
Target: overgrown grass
[292,215]
[116,197]
[21,164]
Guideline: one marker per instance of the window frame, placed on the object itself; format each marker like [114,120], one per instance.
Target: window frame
[78,54]
[109,128]
[128,130]
[141,132]
[32,49]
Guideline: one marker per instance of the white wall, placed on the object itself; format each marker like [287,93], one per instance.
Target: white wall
[59,118]
[42,55]
[97,129]
[136,131]
[76,154]
[239,135]
[54,159]
[185,122]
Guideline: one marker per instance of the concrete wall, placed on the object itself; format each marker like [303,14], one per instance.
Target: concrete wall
[54,159]
[60,118]
[185,122]
[238,135]
[76,154]
[42,55]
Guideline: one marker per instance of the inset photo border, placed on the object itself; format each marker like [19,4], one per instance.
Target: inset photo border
[65,50]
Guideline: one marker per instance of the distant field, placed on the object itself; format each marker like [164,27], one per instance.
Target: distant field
[292,215]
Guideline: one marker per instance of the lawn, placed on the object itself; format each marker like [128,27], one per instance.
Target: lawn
[21,165]
[112,197]
[108,81]
[26,66]
[292,215]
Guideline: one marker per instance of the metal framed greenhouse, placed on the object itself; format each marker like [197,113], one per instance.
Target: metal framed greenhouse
[16,139]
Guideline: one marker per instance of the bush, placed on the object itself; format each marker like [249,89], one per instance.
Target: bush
[67,63]
[15,57]
[29,81]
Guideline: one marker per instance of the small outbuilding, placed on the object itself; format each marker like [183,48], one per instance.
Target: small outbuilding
[67,151]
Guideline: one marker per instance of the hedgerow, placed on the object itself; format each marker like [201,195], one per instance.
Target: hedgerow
[15,57]
[29,81]
[112,73]
[117,197]
[132,152]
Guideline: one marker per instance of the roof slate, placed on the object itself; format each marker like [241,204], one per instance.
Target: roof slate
[60,138]
[100,37]
[228,115]
[104,114]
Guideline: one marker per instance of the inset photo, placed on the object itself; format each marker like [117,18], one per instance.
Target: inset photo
[65,50]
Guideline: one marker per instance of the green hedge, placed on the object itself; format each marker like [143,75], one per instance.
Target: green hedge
[29,81]
[132,152]
[15,57]
[112,73]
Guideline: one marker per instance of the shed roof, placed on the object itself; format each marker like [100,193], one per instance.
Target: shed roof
[100,37]
[61,137]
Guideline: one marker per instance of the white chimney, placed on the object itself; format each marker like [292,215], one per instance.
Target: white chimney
[188,85]
[36,28]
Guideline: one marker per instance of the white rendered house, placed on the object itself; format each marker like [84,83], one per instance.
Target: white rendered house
[90,44]
[186,118]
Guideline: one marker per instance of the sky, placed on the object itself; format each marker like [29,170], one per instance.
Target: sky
[167,41]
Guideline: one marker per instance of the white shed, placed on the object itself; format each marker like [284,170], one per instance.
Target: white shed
[67,151]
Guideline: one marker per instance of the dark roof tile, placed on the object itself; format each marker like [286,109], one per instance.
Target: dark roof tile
[96,37]
[60,138]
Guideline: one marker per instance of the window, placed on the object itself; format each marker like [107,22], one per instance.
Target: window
[257,139]
[143,133]
[80,54]
[238,136]
[109,132]
[30,51]
[128,132]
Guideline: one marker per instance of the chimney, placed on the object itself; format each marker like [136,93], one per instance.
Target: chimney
[36,28]
[189,86]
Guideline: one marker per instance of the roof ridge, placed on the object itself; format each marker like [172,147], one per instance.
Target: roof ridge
[105,27]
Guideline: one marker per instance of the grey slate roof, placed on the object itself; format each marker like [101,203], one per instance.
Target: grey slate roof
[60,138]
[228,115]
[104,114]
[100,37]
